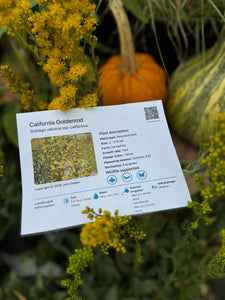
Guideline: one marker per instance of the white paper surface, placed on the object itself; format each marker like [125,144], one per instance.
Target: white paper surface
[112,157]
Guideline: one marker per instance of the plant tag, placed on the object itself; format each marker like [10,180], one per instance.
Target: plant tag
[110,157]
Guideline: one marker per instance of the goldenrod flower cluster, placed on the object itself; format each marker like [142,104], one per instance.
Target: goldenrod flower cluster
[106,231]
[14,14]
[221,253]
[1,170]
[1,163]
[215,161]
[215,173]
[199,209]
[109,231]
[77,263]
[89,100]
[56,33]
[17,86]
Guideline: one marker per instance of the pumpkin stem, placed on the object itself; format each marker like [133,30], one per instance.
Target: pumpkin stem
[127,52]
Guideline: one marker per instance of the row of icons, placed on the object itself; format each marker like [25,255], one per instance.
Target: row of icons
[127,177]
[96,195]
[126,190]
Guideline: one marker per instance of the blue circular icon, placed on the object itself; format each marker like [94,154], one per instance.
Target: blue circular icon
[112,179]
[127,177]
[141,174]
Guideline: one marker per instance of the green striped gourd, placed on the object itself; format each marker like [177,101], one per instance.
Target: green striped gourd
[197,94]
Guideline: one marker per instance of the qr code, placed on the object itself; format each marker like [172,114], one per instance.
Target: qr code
[151,113]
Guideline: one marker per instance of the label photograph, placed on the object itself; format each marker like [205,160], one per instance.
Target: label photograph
[64,157]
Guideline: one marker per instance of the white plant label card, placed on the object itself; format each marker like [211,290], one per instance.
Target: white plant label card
[110,157]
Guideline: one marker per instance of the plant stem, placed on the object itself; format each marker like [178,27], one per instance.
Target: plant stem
[97,7]
[202,27]
[26,45]
[94,60]
[127,51]
[155,34]
[217,10]
[23,63]
[169,281]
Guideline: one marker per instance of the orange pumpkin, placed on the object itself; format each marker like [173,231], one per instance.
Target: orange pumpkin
[130,77]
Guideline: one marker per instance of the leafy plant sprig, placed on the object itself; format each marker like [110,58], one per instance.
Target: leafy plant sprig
[106,231]
[196,166]
[56,32]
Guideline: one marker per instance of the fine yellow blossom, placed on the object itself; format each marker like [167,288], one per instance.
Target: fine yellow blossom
[78,261]
[1,163]
[221,254]
[14,14]
[58,31]
[215,161]
[214,190]
[16,85]
[89,100]
[1,170]
[109,231]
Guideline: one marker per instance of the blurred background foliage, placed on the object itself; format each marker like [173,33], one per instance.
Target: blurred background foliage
[33,267]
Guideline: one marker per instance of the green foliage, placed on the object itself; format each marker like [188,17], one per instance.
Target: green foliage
[177,257]
[2,30]
[110,233]
[77,263]
[135,8]
[41,288]
[9,123]
[164,272]
[10,192]
[196,166]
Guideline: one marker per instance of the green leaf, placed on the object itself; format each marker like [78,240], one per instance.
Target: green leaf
[2,87]
[148,286]
[164,253]
[155,224]
[87,293]
[33,3]
[136,286]
[184,164]
[204,149]
[2,30]
[41,96]
[90,73]
[106,49]
[134,7]
[112,293]
[196,166]
[6,223]
[193,168]
[9,123]
[107,271]
[35,6]
[143,287]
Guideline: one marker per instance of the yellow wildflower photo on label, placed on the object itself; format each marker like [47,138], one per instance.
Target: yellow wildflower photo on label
[64,157]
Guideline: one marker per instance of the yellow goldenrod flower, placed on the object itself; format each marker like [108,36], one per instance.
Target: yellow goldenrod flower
[16,85]
[214,190]
[108,231]
[58,32]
